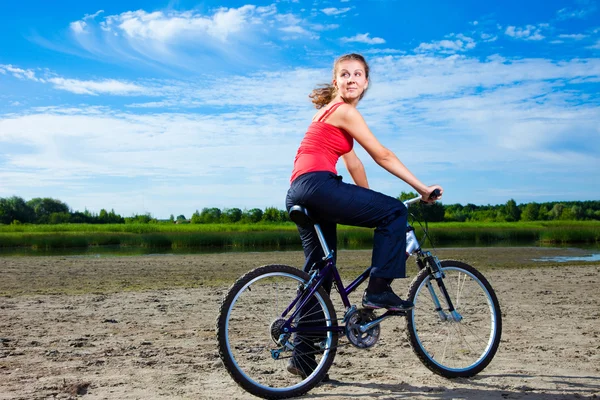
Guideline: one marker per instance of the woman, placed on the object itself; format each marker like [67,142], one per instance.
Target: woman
[316,185]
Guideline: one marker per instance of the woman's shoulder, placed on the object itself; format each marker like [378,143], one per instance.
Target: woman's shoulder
[346,110]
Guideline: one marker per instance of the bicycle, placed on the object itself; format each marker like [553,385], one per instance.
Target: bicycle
[276,313]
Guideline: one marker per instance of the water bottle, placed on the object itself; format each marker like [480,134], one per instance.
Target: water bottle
[412,243]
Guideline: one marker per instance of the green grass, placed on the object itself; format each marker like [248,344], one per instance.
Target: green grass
[560,232]
[274,236]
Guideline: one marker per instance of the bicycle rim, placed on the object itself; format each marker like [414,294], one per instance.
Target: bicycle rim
[448,347]
[249,323]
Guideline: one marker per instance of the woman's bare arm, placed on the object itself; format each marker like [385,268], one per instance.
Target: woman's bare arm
[349,119]
[356,169]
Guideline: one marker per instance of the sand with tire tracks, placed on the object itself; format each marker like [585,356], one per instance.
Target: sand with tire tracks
[160,343]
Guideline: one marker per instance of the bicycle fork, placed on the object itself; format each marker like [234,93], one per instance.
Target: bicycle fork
[438,275]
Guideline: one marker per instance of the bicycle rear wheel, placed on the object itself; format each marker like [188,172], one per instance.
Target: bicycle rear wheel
[459,345]
[249,326]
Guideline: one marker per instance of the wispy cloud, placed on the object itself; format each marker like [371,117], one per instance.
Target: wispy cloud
[573,36]
[180,38]
[455,43]
[90,87]
[504,114]
[18,72]
[335,11]
[168,27]
[363,38]
[569,13]
[595,46]
[528,32]
[78,27]
[110,86]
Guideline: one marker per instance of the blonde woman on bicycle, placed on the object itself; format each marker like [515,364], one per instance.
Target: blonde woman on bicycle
[316,185]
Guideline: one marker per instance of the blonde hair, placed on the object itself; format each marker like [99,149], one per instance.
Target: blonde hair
[324,93]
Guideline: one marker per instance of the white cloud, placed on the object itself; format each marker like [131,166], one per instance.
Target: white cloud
[575,36]
[486,37]
[106,86]
[19,73]
[166,27]
[92,87]
[363,38]
[328,27]
[92,16]
[82,148]
[595,46]
[498,115]
[335,11]
[568,13]
[529,32]
[78,27]
[229,37]
[448,46]
[295,29]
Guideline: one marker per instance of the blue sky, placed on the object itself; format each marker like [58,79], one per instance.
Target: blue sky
[170,107]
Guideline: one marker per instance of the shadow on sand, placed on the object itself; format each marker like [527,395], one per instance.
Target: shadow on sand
[565,388]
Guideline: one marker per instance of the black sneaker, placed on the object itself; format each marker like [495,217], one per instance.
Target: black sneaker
[387,299]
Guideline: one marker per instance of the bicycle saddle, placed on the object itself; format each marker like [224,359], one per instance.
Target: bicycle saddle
[300,216]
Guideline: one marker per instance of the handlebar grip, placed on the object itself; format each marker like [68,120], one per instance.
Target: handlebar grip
[435,194]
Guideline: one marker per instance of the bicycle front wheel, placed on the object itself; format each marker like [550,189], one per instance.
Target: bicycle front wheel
[459,344]
[255,350]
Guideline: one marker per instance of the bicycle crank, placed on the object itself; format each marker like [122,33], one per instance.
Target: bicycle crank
[355,332]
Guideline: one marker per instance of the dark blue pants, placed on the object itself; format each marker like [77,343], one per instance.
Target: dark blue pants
[331,201]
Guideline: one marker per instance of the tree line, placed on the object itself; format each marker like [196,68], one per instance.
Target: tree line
[15,210]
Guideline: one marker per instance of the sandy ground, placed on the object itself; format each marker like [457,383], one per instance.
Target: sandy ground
[160,344]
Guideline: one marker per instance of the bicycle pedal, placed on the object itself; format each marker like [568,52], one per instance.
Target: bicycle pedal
[399,313]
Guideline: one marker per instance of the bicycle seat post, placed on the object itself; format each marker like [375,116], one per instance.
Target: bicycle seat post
[328,253]
[301,217]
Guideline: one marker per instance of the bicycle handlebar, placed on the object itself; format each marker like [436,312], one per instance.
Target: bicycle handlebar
[435,194]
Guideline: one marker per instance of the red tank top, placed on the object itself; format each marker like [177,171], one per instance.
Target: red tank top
[322,146]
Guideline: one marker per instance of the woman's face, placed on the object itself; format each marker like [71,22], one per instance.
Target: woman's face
[350,80]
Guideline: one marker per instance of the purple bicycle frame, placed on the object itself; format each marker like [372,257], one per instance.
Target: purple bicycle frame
[330,268]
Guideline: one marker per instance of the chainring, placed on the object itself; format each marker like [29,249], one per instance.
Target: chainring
[355,336]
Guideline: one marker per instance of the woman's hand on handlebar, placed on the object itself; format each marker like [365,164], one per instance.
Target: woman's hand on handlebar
[432,194]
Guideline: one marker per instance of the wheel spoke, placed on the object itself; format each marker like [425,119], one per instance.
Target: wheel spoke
[455,348]
[250,328]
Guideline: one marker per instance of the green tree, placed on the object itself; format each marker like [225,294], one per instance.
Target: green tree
[15,209]
[543,213]
[271,214]
[181,219]
[44,207]
[530,212]
[103,216]
[231,215]
[59,218]
[252,216]
[210,216]
[284,216]
[511,211]
[78,217]
[556,211]
[578,212]
[196,219]
[141,219]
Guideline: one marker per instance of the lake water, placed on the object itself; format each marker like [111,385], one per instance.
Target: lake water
[591,257]
[592,251]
